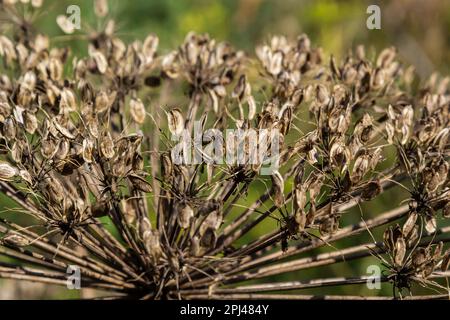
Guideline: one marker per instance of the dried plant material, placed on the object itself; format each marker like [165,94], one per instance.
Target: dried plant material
[137,110]
[7,171]
[175,121]
[80,153]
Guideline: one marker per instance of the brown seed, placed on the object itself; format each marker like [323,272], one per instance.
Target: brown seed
[184,216]
[399,251]
[175,121]
[277,189]
[137,110]
[7,171]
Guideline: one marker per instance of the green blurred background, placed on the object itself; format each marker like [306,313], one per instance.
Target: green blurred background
[419,29]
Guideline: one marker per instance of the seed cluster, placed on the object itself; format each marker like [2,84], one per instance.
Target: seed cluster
[86,147]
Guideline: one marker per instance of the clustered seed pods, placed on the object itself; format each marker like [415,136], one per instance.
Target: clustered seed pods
[87,148]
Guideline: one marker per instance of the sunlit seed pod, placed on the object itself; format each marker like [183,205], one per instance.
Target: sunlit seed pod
[277,189]
[386,57]
[102,102]
[214,100]
[30,122]
[322,94]
[138,162]
[438,251]
[153,245]
[15,240]
[67,102]
[65,24]
[25,175]
[7,171]
[56,69]
[166,166]
[175,121]
[62,149]
[413,236]
[149,47]
[54,190]
[9,128]
[137,110]
[194,248]
[118,167]
[419,257]
[101,8]
[48,148]
[388,239]
[128,211]
[62,130]
[184,216]
[100,61]
[430,224]
[88,149]
[378,79]
[410,223]
[107,146]
[399,251]
[275,63]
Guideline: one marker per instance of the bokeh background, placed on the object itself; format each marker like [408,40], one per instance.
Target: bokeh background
[419,29]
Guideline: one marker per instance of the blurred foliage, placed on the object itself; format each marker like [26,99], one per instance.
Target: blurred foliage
[419,29]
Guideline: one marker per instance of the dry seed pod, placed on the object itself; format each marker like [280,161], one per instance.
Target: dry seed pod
[62,130]
[175,121]
[430,224]
[278,189]
[7,171]
[65,24]
[103,101]
[107,146]
[399,251]
[9,128]
[184,216]
[101,8]
[137,110]
[30,121]
[88,149]
[140,183]
[100,60]
[410,223]
[15,240]
[67,102]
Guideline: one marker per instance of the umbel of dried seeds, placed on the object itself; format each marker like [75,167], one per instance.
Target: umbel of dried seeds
[86,151]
